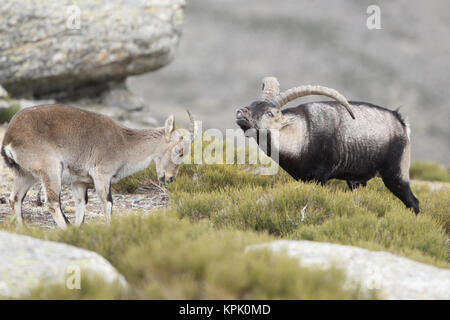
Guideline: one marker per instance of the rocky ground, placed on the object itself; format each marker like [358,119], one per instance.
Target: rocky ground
[146,198]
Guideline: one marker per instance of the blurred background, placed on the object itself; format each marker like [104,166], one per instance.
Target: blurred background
[140,60]
[227,46]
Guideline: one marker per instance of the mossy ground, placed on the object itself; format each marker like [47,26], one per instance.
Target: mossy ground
[195,248]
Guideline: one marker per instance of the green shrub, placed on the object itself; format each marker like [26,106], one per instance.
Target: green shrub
[6,114]
[436,204]
[195,249]
[230,196]
[91,287]
[370,217]
[203,178]
[429,171]
[163,257]
[131,183]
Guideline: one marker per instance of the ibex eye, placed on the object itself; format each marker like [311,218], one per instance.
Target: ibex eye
[269,113]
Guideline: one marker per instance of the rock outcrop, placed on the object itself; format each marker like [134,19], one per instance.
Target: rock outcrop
[28,262]
[61,45]
[393,276]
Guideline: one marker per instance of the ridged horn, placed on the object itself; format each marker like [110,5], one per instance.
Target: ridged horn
[270,88]
[284,97]
[191,125]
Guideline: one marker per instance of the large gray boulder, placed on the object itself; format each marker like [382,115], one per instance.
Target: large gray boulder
[395,277]
[43,49]
[28,262]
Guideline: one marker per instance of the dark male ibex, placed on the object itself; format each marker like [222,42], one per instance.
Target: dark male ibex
[323,140]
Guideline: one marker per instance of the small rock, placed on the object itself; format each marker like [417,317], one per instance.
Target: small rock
[3,93]
[119,96]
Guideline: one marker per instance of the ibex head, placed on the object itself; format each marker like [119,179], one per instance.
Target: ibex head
[174,147]
[266,112]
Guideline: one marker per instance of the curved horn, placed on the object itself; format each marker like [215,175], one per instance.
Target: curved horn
[270,87]
[297,92]
[191,125]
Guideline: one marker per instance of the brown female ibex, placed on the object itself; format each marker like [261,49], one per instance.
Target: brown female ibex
[57,144]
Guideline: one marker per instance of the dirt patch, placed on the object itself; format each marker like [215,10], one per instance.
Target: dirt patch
[146,199]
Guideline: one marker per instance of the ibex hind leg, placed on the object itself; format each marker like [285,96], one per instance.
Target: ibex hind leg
[52,184]
[22,183]
[396,179]
[402,190]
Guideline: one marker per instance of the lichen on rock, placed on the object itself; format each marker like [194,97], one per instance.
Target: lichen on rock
[27,263]
[42,50]
[394,277]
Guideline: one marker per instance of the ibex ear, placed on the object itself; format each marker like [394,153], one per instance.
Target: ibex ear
[287,120]
[170,124]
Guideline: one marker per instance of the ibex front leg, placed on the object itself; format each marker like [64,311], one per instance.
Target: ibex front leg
[52,185]
[39,201]
[103,188]
[79,194]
